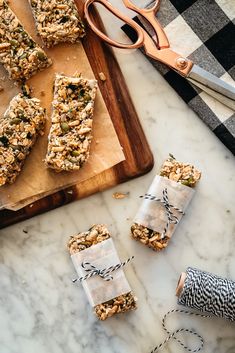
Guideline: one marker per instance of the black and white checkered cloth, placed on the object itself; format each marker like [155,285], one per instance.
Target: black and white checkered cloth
[204,31]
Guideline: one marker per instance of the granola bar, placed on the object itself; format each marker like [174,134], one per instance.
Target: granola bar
[179,172]
[19,54]
[70,134]
[81,241]
[22,122]
[57,21]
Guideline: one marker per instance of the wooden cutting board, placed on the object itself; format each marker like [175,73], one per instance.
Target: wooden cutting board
[139,159]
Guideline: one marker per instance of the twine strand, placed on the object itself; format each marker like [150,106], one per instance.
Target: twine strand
[104,273]
[173,335]
[171,217]
[207,293]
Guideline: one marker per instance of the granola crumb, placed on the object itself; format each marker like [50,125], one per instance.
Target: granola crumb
[120,195]
[102,76]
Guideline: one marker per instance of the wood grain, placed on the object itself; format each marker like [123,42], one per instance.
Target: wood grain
[139,159]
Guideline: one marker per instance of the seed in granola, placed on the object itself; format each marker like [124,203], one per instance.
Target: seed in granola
[15,121]
[76,153]
[40,55]
[14,43]
[64,127]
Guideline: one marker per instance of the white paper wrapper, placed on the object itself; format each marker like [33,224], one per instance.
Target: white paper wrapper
[101,255]
[152,214]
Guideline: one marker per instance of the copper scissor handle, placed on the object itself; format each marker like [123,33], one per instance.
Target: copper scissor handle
[140,35]
[158,49]
[150,15]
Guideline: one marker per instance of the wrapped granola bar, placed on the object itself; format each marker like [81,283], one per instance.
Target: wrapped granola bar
[164,204]
[96,247]
[57,21]
[22,122]
[70,134]
[19,53]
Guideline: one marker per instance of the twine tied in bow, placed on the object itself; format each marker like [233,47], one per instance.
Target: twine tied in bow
[104,273]
[171,217]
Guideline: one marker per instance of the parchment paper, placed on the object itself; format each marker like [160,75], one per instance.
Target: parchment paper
[101,255]
[35,180]
[152,214]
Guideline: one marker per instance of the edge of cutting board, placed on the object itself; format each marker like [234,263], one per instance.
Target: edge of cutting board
[139,158]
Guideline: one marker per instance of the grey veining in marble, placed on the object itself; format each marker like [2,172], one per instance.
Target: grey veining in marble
[41,311]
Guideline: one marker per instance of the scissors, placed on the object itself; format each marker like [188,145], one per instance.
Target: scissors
[158,48]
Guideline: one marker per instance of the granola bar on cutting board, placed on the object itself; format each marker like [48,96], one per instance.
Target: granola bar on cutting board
[20,126]
[19,54]
[105,147]
[71,123]
[57,21]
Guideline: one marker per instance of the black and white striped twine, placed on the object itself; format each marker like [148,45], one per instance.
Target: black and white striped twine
[173,335]
[207,293]
[171,217]
[104,273]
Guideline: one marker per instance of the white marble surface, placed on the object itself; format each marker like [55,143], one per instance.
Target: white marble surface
[41,311]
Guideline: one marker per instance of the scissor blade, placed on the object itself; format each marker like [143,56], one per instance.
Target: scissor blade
[228,102]
[212,82]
